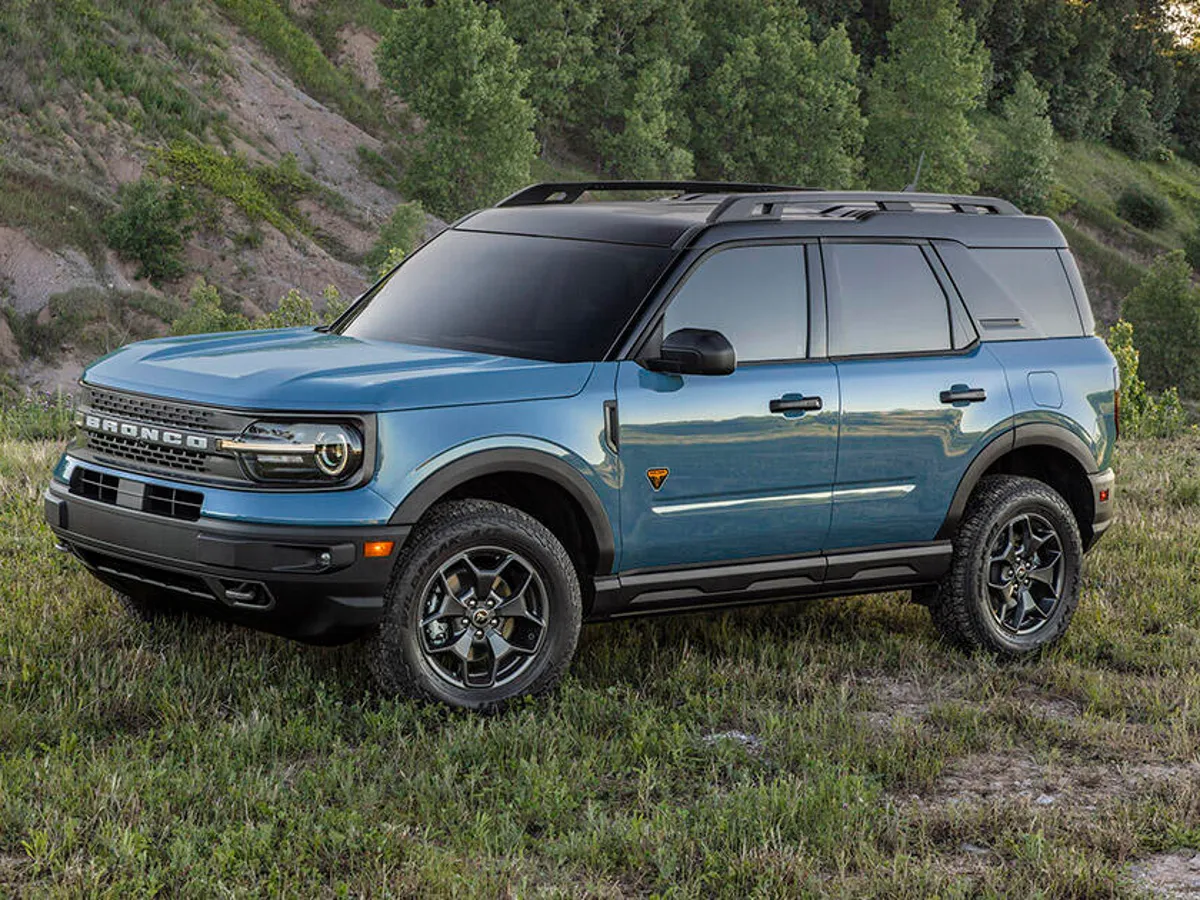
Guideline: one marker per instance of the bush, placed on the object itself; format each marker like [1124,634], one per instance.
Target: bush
[1133,129]
[1164,310]
[207,314]
[1191,249]
[1142,413]
[1024,169]
[402,232]
[151,227]
[34,417]
[1144,208]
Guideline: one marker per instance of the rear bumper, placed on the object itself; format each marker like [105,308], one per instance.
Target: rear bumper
[308,583]
[1103,504]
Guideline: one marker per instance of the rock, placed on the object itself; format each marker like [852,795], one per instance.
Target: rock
[10,352]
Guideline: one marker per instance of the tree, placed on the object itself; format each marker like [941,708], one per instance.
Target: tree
[778,108]
[1024,170]
[457,68]
[1085,92]
[1164,310]
[631,110]
[1133,128]
[920,96]
[557,41]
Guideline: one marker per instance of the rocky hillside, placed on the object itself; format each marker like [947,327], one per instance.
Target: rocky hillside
[223,98]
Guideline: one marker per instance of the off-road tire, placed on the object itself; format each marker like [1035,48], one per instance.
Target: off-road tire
[962,608]
[395,656]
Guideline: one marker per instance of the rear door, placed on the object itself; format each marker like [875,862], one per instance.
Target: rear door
[921,396]
[734,467]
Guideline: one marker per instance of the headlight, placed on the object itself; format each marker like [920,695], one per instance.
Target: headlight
[301,453]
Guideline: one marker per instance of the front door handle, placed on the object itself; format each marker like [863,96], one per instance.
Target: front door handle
[959,394]
[796,404]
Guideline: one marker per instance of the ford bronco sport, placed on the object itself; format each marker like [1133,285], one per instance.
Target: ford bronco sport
[560,411]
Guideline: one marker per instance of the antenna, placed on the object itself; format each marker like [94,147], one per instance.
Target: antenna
[912,188]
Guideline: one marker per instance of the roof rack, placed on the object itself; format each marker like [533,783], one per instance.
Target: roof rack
[570,191]
[771,206]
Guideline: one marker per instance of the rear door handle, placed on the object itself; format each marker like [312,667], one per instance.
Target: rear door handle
[796,404]
[958,394]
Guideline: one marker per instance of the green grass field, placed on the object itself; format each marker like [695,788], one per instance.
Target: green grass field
[197,760]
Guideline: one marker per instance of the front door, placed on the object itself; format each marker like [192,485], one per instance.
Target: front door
[734,467]
[921,395]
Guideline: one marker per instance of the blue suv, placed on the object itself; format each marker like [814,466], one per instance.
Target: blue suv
[560,411]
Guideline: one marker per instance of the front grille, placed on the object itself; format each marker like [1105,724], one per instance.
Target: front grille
[96,485]
[174,503]
[156,499]
[123,448]
[143,409]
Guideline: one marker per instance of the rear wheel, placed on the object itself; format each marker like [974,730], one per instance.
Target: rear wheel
[1013,585]
[484,606]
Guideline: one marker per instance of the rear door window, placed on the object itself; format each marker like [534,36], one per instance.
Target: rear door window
[884,299]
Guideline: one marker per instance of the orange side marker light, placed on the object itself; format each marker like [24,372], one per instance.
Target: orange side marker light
[376,549]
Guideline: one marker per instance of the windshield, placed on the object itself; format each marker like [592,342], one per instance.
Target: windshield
[512,295]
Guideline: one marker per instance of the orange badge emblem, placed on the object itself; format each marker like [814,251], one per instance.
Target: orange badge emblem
[657,477]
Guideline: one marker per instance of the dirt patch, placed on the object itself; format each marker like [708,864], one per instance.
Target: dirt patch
[10,353]
[1016,777]
[269,271]
[899,700]
[1175,874]
[358,54]
[264,102]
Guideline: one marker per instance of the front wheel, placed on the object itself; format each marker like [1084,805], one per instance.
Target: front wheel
[1013,585]
[484,606]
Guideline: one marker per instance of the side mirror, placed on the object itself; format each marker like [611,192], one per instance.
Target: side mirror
[694,351]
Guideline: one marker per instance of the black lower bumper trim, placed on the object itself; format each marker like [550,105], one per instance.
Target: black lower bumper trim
[308,583]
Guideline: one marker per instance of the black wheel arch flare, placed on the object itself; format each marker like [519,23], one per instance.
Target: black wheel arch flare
[518,461]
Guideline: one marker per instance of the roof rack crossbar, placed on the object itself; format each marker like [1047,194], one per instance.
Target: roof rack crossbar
[771,206]
[551,192]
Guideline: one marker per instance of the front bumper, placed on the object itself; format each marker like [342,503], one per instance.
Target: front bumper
[308,583]
[1103,504]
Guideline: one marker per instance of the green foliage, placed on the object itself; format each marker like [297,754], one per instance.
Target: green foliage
[112,51]
[1144,208]
[771,86]
[261,192]
[151,226]
[1191,248]
[207,314]
[1024,168]
[402,232]
[457,69]
[1133,129]
[920,97]
[394,257]
[92,321]
[34,417]
[55,211]
[267,21]
[1142,413]
[1164,311]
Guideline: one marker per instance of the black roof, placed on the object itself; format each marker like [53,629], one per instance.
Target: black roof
[709,212]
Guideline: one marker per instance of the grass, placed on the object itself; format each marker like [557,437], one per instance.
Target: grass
[194,759]
[111,50]
[56,212]
[269,23]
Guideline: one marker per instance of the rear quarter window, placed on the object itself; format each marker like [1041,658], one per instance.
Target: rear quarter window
[1016,294]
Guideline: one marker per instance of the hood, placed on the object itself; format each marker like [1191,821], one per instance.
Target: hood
[306,370]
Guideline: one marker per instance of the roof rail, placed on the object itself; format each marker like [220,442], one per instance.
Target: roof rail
[771,206]
[570,191]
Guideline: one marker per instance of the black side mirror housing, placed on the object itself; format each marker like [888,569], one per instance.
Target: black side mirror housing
[694,351]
